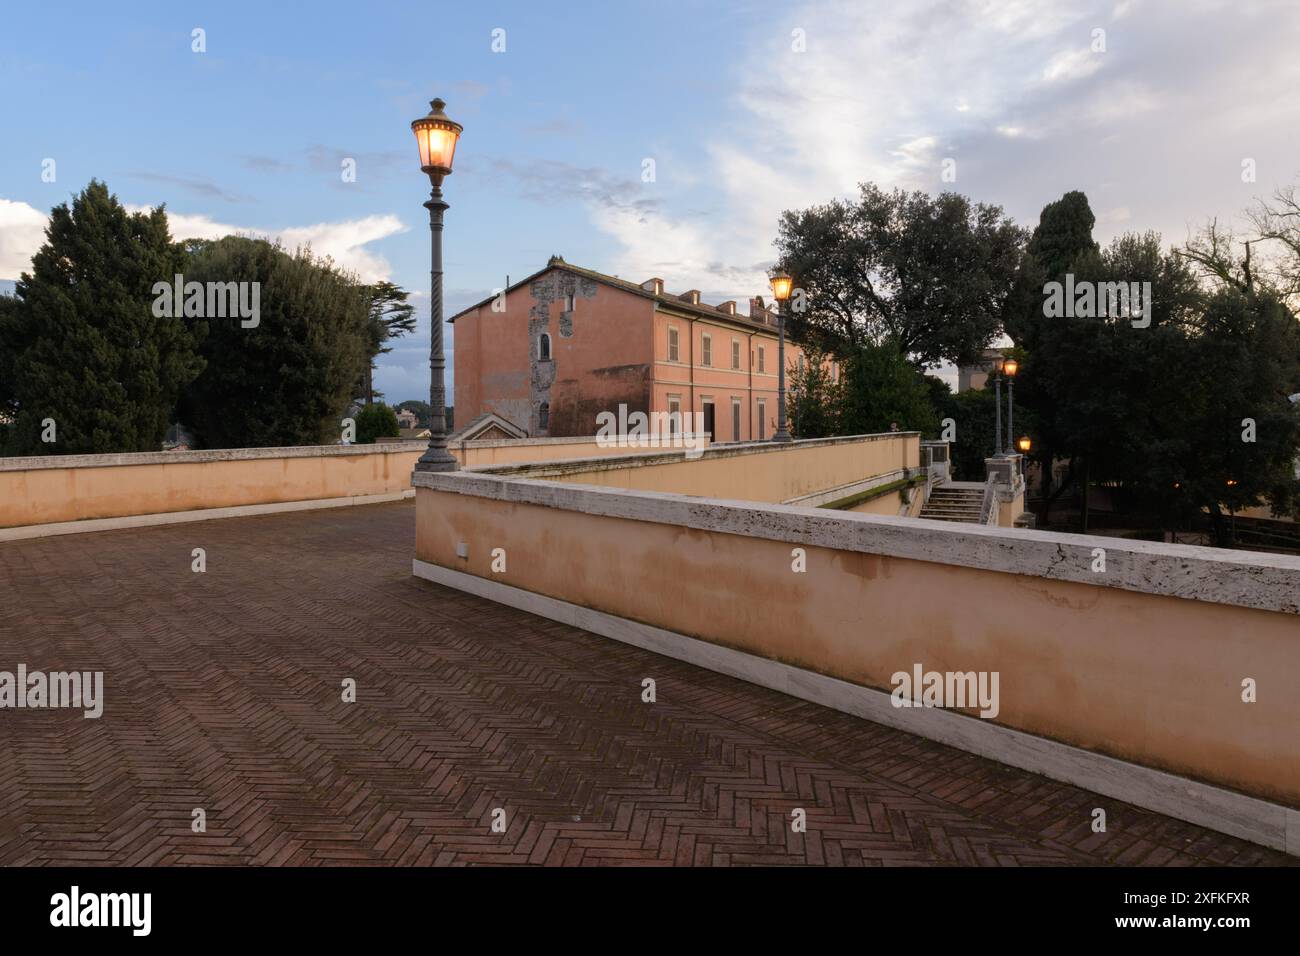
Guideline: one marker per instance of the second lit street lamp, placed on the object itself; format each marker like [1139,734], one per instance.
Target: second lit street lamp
[781,284]
[1009,368]
[436,135]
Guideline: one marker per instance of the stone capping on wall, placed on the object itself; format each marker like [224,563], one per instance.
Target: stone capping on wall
[48,462]
[524,442]
[1268,582]
[569,466]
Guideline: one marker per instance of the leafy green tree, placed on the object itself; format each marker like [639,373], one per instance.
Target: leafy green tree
[931,274]
[813,397]
[390,316]
[974,414]
[376,421]
[1240,432]
[882,388]
[82,344]
[288,379]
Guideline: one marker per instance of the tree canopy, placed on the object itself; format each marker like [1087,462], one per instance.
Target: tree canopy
[83,349]
[932,274]
[288,380]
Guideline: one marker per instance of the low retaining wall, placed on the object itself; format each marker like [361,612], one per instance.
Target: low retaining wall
[1143,662]
[55,489]
[59,489]
[800,469]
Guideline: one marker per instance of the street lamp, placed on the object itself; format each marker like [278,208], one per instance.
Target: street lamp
[1009,368]
[997,404]
[1024,444]
[781,284]
[436,135]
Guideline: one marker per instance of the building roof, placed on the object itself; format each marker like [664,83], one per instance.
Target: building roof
[489,425]
[682,303]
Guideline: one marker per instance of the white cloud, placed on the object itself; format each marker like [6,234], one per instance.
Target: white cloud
[1012,89]
[1073,65]
[344,241]
[22,230]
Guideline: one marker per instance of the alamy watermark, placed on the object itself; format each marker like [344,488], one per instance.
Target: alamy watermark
[1095,300]
[209,300]
[950,689]
[76,909]
[37,689]
[651,430]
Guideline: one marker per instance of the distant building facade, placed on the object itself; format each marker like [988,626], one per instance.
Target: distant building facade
[553,351]
[977,375]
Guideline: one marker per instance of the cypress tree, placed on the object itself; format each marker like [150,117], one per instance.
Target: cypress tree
[85,351]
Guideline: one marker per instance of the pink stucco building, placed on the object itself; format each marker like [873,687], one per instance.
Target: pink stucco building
[556,349]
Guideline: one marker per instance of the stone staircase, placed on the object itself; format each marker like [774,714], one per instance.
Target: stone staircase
[955,501]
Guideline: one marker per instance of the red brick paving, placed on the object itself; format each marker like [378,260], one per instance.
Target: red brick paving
[223,692]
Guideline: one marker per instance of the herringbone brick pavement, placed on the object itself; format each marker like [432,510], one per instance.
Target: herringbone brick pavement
[223,692]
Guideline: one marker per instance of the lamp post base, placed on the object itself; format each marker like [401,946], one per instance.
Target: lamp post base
[437,459]
[781,435]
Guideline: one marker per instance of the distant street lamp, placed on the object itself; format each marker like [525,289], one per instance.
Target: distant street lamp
[436,135]
[781,284]
[1009,368]
[997,405]
[1024,444]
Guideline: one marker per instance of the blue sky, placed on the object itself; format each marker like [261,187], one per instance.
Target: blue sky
[745,109]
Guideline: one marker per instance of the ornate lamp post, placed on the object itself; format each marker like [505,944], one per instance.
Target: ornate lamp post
[1009,368]
[436,135]
[997,405]
[781,285]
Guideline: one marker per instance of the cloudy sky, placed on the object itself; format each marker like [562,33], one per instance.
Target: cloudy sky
[741,109]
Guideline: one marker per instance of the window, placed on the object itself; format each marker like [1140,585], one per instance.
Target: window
[569,302]
[708,350]
[544,347]
[762,415]
[672,343]
[735,419]
[735,353]
[674,414]
[544,416]
[762,364]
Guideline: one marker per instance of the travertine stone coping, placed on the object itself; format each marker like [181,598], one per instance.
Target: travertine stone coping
[517,442]
[1268,582]
[46,462]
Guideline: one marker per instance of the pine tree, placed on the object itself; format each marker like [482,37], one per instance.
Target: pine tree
[86,352]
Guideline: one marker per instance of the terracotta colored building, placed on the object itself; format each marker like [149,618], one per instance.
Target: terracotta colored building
[556,349]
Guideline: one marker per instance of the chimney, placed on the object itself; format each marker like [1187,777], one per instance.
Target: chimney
[726,308]
[655,285]
[756,308]
[691,295]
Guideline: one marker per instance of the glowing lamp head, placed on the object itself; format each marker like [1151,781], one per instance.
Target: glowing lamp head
[1024,444]
[1010,367]
[781,284]
[436,135]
